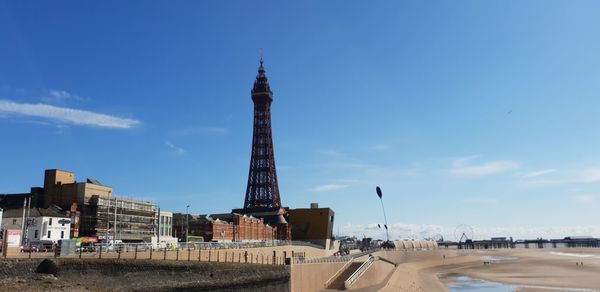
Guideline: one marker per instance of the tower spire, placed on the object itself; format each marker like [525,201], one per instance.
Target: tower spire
[261,84]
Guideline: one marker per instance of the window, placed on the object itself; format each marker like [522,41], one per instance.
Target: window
[49,223]
[14,221]
[35,235]
[62,234]
[49,233]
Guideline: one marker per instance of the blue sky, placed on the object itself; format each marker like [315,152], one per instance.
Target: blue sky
[476,112]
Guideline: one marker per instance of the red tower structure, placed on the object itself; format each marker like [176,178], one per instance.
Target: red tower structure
[262,192]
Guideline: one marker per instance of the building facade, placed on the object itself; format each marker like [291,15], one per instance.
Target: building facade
[312,224]
[226,227]
[38,224]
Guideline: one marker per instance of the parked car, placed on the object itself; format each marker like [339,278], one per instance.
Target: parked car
[29,248]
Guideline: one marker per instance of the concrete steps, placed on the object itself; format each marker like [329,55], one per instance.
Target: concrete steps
[338,283]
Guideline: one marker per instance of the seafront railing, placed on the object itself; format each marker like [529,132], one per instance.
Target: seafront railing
[319,260]
[148,252]
[246,244]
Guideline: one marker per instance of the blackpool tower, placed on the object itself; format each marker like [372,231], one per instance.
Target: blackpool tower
[262,192]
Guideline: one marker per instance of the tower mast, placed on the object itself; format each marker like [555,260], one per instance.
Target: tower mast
[262,192]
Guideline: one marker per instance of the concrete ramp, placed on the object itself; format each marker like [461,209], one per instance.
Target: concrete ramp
[338,282]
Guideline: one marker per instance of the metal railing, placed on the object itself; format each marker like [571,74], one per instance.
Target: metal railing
[318,260]
[358,272]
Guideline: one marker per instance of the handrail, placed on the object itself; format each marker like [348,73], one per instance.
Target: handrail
[378,258]
[358,272]
[318,260]
[342,269]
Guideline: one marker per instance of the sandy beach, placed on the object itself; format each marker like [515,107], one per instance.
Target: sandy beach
[528,269]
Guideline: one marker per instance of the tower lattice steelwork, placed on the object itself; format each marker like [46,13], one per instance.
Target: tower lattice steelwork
[262,192]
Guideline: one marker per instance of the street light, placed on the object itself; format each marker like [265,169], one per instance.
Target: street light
[380,195]
[187,223]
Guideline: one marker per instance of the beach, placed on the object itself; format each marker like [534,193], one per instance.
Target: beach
[526,269]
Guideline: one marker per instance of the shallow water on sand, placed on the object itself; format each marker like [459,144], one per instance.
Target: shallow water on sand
[466,283]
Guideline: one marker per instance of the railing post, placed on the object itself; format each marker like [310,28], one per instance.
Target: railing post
[165,254]
[135,254]
[274,256]
[100,254]
[209,255]
[177,257]
[188,253]
[246,256]
[80,250]
[150,252]
[217,256]
[199,253]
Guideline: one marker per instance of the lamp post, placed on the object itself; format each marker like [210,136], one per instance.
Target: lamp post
[380,195]
[187,223]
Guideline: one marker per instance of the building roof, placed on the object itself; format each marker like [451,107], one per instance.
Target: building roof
[94,181]
[34,212]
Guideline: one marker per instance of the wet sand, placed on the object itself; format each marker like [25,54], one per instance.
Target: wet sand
[534,268]
[544,268]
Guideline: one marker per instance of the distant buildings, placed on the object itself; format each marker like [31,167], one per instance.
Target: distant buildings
[90,207]
[39,224]
[226,227]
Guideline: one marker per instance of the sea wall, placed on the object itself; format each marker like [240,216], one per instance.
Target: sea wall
[141,275]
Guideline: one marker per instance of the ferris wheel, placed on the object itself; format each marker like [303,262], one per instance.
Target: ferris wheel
[463,233]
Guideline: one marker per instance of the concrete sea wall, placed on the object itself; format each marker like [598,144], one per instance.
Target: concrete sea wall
[141,275]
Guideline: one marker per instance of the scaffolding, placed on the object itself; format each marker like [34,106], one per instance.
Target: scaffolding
[128,220]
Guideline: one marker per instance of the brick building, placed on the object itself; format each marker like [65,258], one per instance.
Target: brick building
[222,227]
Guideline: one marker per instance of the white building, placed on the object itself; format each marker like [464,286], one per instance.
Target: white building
[165,231]
[40,224]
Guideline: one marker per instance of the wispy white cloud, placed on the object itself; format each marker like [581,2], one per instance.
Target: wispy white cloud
[65,115]
[175,149]
[589,175]
[61,96]
[538,173]
[329,187]
[575,177]
[423,231]
[585,198]
[465,167]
